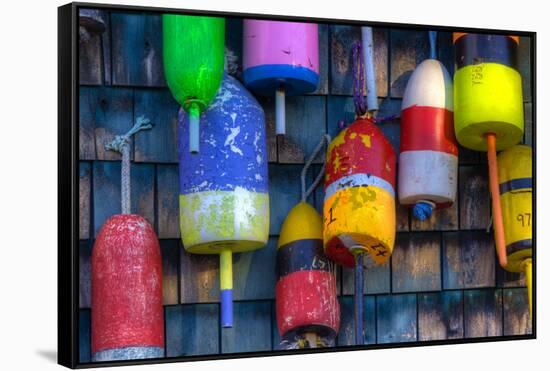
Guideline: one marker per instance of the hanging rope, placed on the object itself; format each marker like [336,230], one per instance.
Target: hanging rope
[121,144]
[358,80]
[305,193]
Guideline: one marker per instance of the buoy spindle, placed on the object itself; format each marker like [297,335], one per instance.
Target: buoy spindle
[358,299]
[433,43]
[280,111]
[312,339]
[226,287]
[194,122]
[368,56]
[495,197]
[528,268]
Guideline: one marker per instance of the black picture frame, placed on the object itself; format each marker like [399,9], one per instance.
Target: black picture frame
[68,186]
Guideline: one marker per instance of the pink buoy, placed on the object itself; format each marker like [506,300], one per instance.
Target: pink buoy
[280,58]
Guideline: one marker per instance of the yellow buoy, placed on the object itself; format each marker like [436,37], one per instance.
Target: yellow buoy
[516,198]
[488,106]
[487,91]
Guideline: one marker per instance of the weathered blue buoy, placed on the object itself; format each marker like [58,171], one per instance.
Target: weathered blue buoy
[224,202]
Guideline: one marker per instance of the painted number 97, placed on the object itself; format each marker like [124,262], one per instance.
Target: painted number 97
[524,219]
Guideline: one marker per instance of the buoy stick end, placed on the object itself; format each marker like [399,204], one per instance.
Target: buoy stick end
[194,121]
[423,210]
[280,114]
[528,268]
[226,287]
[226,298]
[498,225]
[358,298]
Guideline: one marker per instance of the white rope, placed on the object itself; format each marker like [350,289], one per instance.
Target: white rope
[121,144]
[305,194]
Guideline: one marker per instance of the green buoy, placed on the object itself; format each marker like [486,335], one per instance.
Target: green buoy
[193,53]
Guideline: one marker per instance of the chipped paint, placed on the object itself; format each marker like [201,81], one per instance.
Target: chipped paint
[223,191]
[215,216]
[126,290]
[230,140]
[359,190]
[365,138]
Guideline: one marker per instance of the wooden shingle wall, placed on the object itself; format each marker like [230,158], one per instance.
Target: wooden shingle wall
[443,281]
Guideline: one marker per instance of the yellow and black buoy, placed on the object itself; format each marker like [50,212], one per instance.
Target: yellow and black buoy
[306,300]
[308,314]
[516,198]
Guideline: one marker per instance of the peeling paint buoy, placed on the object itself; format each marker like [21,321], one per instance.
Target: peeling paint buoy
[359,187]
[224,202]
[308,313]
[127,313]
[359,206]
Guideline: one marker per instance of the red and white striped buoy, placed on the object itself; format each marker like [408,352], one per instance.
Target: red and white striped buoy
[428,162]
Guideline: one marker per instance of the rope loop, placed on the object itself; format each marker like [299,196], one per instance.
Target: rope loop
[120,141]
[305,193]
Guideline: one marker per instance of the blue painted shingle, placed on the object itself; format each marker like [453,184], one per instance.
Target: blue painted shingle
[396,318]
[84,338]
[416,262]
[440,315]
[160,143]
[137,49]
[106,188]
[346,335]
[468,260]
[251,331]
[192,329]
[482,313]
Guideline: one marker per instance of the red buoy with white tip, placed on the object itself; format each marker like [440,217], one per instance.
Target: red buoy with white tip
[428,162]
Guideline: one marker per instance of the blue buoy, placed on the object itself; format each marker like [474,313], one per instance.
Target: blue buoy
[224,202]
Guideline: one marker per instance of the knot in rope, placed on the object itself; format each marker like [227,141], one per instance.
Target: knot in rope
[305,193]
[120,141]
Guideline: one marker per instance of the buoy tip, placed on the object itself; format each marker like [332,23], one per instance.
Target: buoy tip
[422,210]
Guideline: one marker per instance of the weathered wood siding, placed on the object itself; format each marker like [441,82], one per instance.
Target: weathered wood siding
[442,281]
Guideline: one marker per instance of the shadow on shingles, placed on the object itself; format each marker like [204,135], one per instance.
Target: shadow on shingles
[399,84]
[50,355]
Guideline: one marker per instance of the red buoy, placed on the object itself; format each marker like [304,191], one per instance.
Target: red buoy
[306,295]
[127,313]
